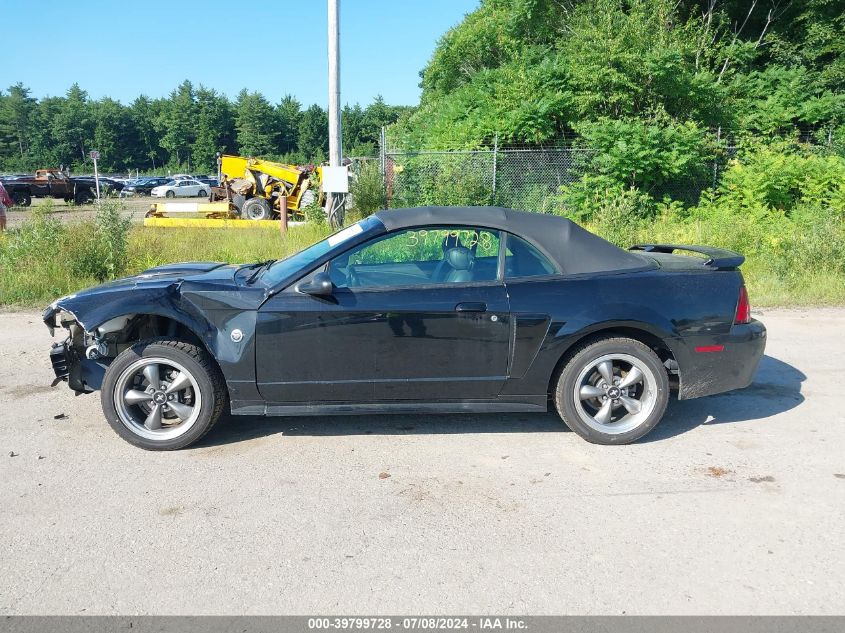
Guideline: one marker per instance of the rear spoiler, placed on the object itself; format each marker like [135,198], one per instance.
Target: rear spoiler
[717,258]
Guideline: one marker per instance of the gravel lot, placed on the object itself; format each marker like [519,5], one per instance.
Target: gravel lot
[734,505]
[136,207]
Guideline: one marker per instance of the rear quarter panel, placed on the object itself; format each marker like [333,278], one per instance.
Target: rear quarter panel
[676,307]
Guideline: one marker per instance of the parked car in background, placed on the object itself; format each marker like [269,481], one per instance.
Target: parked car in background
[181,189]
[143,186]
[211,182]
[49,183]
[108,186]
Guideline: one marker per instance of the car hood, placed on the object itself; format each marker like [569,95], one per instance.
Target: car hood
[196,272]
[160,290]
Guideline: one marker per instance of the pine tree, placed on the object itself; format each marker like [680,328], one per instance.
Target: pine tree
[254,120]
[176,122]
[16,112]
[72,127]
[144,113]
[288,116]
[313,137]
[114,134]
[214,128]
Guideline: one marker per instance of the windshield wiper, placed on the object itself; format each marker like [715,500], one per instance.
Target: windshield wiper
[259,268]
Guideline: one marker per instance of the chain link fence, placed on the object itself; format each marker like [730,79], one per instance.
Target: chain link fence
[530,177]
[526,177]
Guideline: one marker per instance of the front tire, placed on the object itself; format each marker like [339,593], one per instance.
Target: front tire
[612,391]
[202,194]
[170,194]
[163,394]
[257,209]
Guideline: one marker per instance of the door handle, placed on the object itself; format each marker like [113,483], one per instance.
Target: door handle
[471,307]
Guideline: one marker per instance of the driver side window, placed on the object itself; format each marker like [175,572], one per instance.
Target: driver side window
[420,256]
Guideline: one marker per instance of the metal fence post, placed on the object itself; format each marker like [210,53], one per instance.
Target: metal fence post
[716,158]
[495,158]
[382,150]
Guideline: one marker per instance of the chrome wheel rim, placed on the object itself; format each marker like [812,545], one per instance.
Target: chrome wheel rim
[615,393]
[157,398]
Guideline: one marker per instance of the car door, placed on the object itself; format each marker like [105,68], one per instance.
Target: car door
[419,315]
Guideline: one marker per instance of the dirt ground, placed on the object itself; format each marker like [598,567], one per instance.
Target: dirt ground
[734,505]
[136,207]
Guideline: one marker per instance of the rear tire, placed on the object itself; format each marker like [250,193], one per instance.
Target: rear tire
[83,196]
[163,394]
[257,209]
[612,390]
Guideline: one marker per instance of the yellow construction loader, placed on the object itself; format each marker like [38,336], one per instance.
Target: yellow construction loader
[251,188]
[255,186]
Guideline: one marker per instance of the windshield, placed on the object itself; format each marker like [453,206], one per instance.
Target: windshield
[285,268]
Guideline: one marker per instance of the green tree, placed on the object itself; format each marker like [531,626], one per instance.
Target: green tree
[777,100]
[16,112]
[176,123]
[313,136]
[145,114]
[288,117]
[114,135]
[44,148]
[254,120]
[533,70]
[72,127]
[643,154]
[215,128]
[352,126]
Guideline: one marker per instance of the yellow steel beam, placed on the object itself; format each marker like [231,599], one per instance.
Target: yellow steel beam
[210,223]
[238,167]
[199,208]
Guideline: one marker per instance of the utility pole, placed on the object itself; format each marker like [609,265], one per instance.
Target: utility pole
[334,201]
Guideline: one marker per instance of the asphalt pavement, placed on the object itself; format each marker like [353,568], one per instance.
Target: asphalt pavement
[734,505]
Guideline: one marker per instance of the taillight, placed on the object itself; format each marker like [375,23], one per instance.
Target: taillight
[743,307]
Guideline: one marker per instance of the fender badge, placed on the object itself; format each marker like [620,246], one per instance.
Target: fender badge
[237,336]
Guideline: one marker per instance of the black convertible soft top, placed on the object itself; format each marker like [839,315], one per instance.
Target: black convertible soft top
[574,250]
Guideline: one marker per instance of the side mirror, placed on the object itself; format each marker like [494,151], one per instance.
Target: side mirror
[320,285]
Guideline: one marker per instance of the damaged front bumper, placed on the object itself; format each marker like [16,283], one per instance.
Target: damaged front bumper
[67,358]
[83,375]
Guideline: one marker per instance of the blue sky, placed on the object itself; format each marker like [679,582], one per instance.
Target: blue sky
[122,49]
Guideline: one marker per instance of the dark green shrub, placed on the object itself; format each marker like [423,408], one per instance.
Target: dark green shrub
[367,191]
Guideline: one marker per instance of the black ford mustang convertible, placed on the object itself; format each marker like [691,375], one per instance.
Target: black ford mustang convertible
[433,309]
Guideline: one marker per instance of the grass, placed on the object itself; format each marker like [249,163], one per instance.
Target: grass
[788,264]
[40,262]
[154,246]
[49,268]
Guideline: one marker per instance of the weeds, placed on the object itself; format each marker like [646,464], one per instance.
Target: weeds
[788,220]
[314,214]
[367,191]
